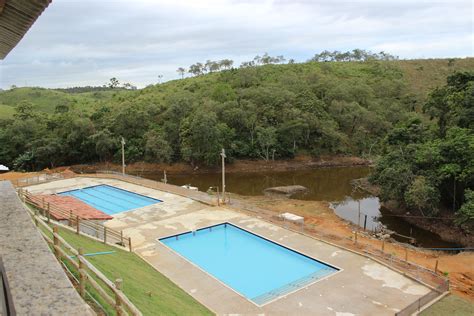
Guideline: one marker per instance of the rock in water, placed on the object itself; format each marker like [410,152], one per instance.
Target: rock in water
[288,190]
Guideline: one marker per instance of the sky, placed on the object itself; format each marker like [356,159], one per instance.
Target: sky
[87,42]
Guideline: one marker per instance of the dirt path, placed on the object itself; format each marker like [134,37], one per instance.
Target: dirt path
[459,267]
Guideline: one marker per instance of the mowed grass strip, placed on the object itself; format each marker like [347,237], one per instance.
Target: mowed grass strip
[450,305]
[150,291]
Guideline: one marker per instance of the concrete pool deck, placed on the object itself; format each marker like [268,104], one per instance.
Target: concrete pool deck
[364,287]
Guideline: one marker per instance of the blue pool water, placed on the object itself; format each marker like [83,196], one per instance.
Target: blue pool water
[258,269]
[109,199]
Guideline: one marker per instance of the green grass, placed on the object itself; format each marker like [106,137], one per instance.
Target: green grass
[6,111]
[139,279]
[451,305]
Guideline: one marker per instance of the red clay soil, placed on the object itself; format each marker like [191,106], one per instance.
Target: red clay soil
[75,206]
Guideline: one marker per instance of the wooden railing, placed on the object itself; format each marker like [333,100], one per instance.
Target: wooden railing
[88,273]
[81,225]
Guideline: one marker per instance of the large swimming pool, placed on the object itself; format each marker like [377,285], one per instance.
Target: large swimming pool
[253,266]
[109,199]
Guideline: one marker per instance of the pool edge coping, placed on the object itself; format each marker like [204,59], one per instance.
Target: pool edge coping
[338,269]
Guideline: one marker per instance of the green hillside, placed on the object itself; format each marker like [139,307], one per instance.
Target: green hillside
[273,111]
[419,76]
[48,100]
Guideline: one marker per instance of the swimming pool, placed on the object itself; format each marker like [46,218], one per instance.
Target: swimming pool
[253,266]
[109,199]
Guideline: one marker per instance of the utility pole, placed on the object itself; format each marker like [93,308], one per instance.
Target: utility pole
[223,174]
[123,155]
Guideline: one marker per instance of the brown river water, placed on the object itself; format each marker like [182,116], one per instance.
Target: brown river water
[324,184]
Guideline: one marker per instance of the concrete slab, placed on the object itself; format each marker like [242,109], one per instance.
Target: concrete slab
[364,287]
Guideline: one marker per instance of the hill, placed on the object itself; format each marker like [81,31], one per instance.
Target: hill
[420,77]
[265,112]
[48,100]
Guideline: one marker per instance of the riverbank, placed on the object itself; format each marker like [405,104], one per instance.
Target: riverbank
[442,226]
[181,168]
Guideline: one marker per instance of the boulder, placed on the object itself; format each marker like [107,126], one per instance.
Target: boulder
[286,190]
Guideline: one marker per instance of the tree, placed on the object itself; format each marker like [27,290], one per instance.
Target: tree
[226,63]
[196,69]
[181,71]
[202,137]
[422,195]
[113,83]
[266,139]
[157,148]
[465,215]
[24,110]
[105,144]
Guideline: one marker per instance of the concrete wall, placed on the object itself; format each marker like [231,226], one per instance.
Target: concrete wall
[36,281]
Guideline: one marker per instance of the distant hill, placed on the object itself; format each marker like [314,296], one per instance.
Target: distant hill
[47,100]
[420,76]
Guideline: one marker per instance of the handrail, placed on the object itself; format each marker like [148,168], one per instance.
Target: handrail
[121,302]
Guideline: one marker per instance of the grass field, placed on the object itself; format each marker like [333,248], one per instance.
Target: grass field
[150,291]
[451,305]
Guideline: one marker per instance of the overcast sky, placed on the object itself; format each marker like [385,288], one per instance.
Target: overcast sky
[86,42]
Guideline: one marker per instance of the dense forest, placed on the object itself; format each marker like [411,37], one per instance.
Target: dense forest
[376,106]
[429,168]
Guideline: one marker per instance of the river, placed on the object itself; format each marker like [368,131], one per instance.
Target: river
[324,184]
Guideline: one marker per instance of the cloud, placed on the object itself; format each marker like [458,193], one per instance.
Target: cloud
[87,42]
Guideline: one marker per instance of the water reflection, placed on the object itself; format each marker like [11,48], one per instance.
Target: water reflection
[367,216]
[326,184]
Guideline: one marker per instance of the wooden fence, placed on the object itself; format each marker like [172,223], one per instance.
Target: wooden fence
[89,227]
[88,273]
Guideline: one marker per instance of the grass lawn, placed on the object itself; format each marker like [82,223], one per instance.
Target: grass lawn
[139,279]
[451,305]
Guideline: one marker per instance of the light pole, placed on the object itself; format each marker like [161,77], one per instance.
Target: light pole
[223,156]
[123,155]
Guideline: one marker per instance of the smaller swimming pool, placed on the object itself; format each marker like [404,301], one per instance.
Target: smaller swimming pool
[109,199]
[257,268]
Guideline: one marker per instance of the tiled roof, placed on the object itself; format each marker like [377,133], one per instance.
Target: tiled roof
[77,207]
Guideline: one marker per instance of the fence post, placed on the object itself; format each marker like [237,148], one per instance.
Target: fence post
[70,218]
[121,238]
[36,216]
[56,242]
[49,213]
[105,235]
[77,224]
[436,266]
[130,244]
[118,302]
[355,237]
[82,274]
